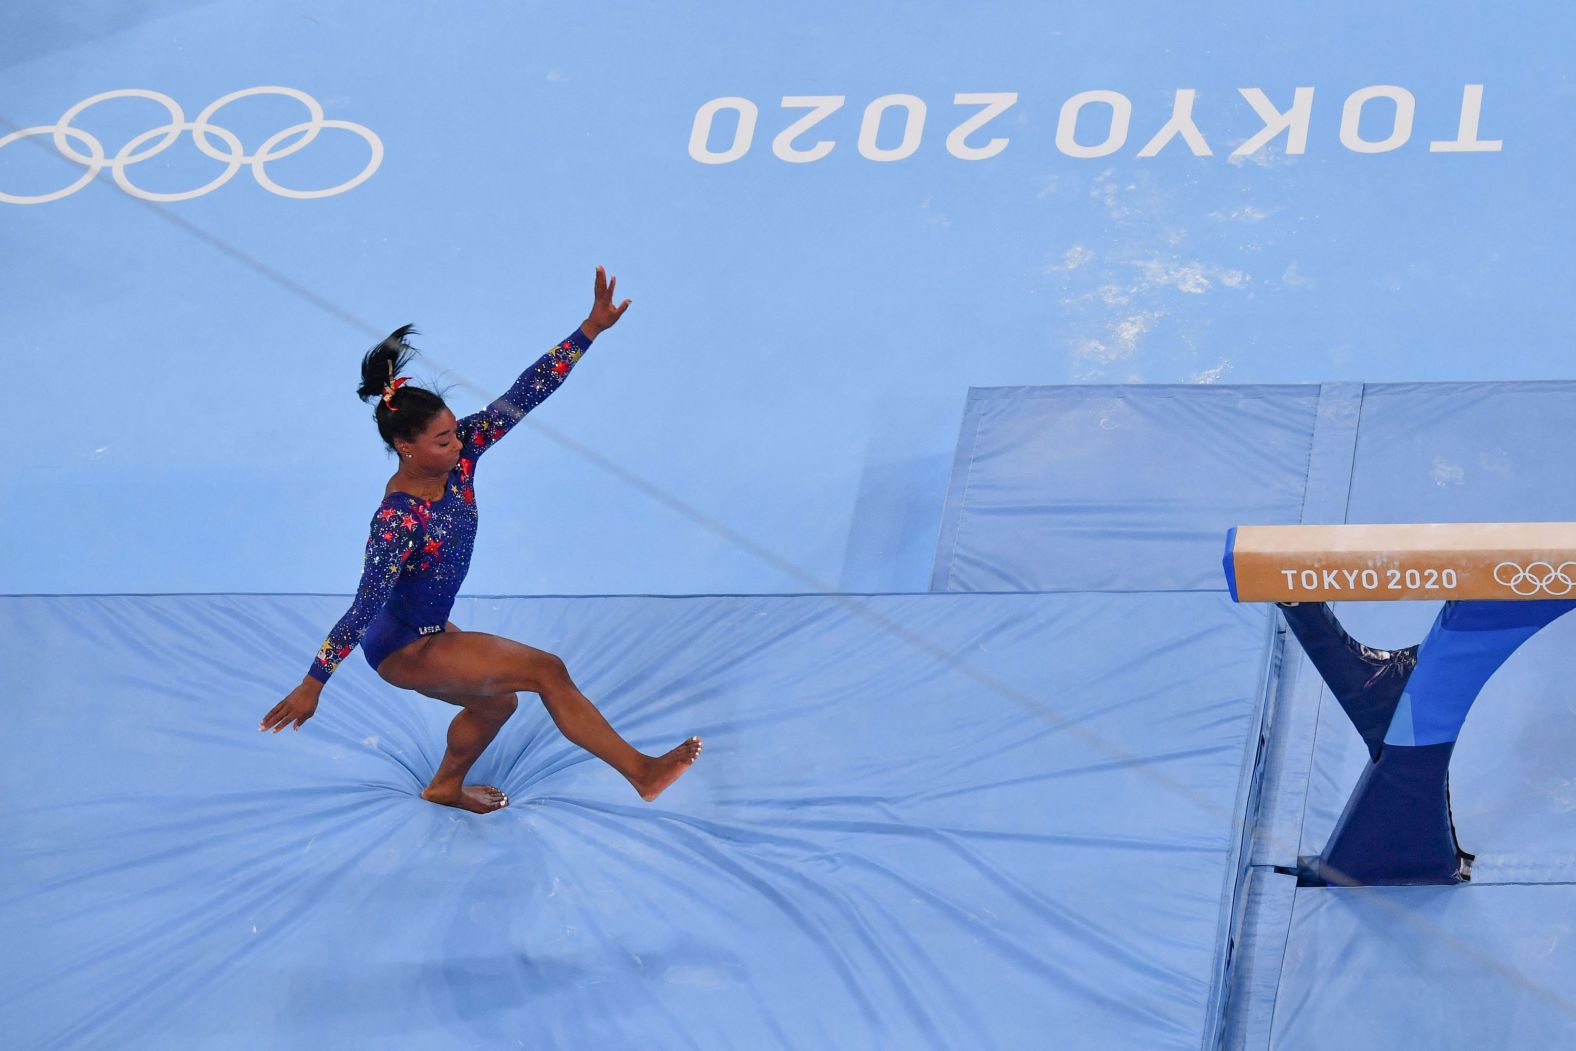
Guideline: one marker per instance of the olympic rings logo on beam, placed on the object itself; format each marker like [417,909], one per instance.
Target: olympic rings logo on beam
[95,160]
[1537,577]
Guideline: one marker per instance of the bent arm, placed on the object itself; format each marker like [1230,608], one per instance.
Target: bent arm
[392,540]
[479,431]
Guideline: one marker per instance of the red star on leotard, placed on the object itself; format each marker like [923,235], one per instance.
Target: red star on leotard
[432,546]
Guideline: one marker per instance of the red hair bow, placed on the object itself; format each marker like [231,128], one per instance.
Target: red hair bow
[388,391]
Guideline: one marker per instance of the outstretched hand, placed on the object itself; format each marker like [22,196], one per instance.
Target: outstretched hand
[604,315]
[296,708]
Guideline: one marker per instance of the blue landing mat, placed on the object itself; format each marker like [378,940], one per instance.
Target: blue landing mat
[1447,967]
[1132,488]
[892,840]
[1126,488]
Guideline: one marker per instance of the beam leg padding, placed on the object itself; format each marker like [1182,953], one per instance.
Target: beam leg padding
[1466,646]
[1396,828]
[1367,683]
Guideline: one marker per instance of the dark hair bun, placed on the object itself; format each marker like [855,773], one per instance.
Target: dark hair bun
[408,412]
[384,362]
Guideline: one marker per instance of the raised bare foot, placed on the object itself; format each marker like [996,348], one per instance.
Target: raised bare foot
[479,799]
[666,769]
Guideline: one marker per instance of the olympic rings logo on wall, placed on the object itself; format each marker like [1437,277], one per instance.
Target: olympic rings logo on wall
[1536,577]
[96,161]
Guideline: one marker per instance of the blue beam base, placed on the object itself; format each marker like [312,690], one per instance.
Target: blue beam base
[1396,829]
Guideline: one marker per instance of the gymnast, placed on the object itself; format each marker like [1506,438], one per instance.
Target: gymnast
[416,559]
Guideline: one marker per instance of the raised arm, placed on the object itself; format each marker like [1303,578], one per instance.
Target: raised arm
[479,431]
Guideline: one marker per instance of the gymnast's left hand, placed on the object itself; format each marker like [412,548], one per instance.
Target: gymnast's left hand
[604,315]
[296,708]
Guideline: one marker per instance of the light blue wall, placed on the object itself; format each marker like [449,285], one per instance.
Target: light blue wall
[803,335]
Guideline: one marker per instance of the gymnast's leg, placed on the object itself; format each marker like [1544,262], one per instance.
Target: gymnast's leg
[1367,683]
[477,664]
[469,735]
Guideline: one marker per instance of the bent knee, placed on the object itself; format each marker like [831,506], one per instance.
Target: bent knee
[498,706]
[543,668]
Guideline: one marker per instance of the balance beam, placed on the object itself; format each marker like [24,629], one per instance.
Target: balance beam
[1504,561]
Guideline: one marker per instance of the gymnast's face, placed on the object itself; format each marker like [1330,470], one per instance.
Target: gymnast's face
[437,449]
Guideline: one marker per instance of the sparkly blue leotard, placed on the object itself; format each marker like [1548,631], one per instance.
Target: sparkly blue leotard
[419,550]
